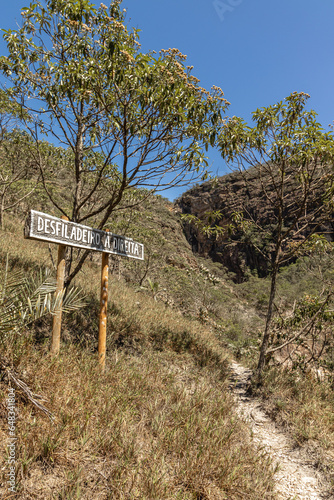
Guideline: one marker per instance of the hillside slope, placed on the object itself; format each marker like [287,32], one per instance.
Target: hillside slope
[159,424]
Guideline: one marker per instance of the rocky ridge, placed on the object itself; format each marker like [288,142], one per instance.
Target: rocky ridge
[239,192]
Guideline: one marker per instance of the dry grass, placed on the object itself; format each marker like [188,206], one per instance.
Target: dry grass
[304,407]
[154,426]
[159,424]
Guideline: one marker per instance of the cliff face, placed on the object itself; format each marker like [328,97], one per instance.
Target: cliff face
[245,193]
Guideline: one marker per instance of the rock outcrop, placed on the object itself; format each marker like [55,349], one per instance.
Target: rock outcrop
[243,192]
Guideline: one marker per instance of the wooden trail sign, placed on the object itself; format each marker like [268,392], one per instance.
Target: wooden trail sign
[56,325]
[44,227]
[40,226]
[103,311]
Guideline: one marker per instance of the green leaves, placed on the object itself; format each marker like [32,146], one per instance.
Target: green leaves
[92,58]
[208,224]
[292,159]
[285,131]
[76,10]
[111,48]
[24,300]
[80,72]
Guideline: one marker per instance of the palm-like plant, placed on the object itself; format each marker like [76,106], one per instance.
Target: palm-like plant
[22,301]
[25,299]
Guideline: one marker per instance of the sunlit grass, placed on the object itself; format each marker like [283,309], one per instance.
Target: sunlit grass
[158,424]
[304,407]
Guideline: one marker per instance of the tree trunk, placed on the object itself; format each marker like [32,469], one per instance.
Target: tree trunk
[266,336]
[68,265]
[2,209]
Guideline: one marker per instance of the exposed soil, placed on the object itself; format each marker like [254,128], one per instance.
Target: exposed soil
[296,477]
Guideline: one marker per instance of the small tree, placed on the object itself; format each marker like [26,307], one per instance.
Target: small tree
[127,119]
[16,164]
[293,161]
[10,114]
[18,171]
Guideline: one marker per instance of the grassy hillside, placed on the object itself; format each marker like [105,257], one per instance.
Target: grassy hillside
[160,422]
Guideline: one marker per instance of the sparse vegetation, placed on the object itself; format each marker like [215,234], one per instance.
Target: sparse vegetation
[126,119]
[160,422]
[163,368]
[302,403]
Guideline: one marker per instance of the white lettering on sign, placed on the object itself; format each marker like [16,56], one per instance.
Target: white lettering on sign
[40,224]
[46,227]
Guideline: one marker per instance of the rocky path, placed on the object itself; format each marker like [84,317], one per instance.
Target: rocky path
[296,480]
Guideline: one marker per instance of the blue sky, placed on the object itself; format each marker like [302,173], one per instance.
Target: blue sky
[257,51]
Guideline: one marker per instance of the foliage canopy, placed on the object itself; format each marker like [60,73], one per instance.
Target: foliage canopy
[292,157]
[127,118]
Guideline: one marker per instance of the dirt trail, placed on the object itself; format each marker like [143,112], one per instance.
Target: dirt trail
[295,478]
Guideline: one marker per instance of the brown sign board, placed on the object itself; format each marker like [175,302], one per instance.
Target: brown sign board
[40,226]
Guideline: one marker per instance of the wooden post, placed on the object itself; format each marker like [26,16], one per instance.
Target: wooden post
[103,311]
[56,328]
